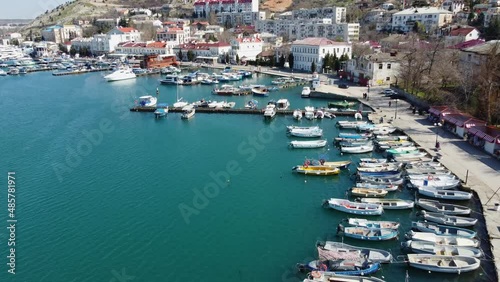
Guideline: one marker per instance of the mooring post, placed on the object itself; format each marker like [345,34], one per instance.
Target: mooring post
[466,176]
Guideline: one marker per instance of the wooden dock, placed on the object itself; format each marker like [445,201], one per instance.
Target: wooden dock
[235,111]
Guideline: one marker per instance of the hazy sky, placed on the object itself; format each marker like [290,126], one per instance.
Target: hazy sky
[26,9]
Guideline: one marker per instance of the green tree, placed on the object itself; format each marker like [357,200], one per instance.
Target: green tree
[180,55]
[326,62]
[290,60]
[63,48]
[15,42]
[282,61]
[123,22]
[73,51]
[313,67]
[190,55]
[227,58]
[237,59]
[492,32]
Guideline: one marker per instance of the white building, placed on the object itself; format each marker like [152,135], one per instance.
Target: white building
[375,69]
[240,18]
[459,35]
[387,6]
[173,35]
[144,48]
[61,33]
[106,43]
[453,6]
[270,41]
[314,49]
[216,50]
[432,18]
[81,42]
[305,28]
[203,8]
[337,14]
[247,48]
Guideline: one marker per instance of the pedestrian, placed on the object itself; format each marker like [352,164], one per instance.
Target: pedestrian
[381,120]
[389,104]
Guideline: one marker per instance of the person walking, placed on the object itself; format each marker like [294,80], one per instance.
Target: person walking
[390,104]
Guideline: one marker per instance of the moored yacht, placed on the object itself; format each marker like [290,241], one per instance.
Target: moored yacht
[147,101]
[120,74]
[171,79]
[282,104]
[306,91]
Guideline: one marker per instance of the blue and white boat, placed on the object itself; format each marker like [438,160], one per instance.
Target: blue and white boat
[443,230]
[354,207]
[245,74]
[354,135]
[380,174]
[161,110]
[344,267]
[368,234]
[316,276]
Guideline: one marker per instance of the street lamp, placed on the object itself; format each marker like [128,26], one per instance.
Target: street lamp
[396,112]
[437,131]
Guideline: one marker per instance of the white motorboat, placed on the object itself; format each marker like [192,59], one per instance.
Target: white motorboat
[120,74]
[309,113]
[387,187]
[171,79]
[350,124]
[442,240]
[357,149]
[270,111]
[319,114]
[292,127]
[354,207]
[306,91]
[308,144]
[390,204]
[180,103]
[297,114]
[368,192]
[374,255]
[147,101]
[310,133]
[443,208]
[316,276]
[229,105]
[161,110]
[373,223]
[188,112]
[383,130]
[422,247]
[444,264]
[438,183]
[444,194]
[460,221]
[282,104]
[2,72]
[443,230]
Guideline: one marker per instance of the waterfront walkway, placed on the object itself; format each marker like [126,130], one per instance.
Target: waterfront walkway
[478,170]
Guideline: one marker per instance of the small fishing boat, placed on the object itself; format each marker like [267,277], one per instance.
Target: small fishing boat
[345,267]
[306,91]
[349,124]
[389,169]
[409,157]
[252,104]
[373,223]
[322,162]
[297,114]
[341,104]
[402,150]
[444,194]
[381,180]
[260,91]
[308,144]
[357,150]
[282,104]
[383,130]
[443,230]
[442,240]
[422,247]
[316,170]
[307,133]
[373,160]
[450,220]
[444,264]
[392,137]
[354,135]
[319,114]
[441,175]
[354,207]
[229,105]
[386,187]
[316,276]
[384,175]
[368,192]
[438,183]
[354,143]
[188,112]
[368,234]
[309,113]
[292,127]
[390,204]
[374,255]
[161,110]
[444,208]
[226,90]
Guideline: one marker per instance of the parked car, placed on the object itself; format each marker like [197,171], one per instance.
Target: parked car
[389,92]
[343,85]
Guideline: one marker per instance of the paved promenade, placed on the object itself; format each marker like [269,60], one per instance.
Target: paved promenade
[481,170]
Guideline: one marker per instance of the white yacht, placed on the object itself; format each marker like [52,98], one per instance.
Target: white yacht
[306,91]
[270,111]
[120,74]
[2,72]
[147,101]
[171,79]
[282,104]
[188,112]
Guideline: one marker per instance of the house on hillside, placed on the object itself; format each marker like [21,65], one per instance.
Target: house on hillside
[460,35]
[430,17]
[374,69]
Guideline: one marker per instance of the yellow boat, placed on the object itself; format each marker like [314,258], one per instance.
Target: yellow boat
[322,162]
[316,170]
[368,192]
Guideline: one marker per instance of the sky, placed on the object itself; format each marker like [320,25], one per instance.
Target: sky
[26,9]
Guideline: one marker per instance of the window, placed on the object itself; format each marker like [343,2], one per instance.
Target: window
[380,66]
[388,66]
[387,78]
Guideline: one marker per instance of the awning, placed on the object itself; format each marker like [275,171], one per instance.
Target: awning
[489,138]
[474,131]
[453,120]
[435,112]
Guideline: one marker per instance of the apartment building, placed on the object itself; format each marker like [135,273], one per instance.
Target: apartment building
[314,49]
[61,33]
[430,17]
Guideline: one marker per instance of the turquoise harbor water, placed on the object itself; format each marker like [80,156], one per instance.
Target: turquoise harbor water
[99,188]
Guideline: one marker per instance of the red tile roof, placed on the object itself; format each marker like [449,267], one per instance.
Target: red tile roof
[157,45]
[317,41]
[126,29]
[202,23]
[132,44]
[467,44]
[203,46]
[248,40]
[461,31]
